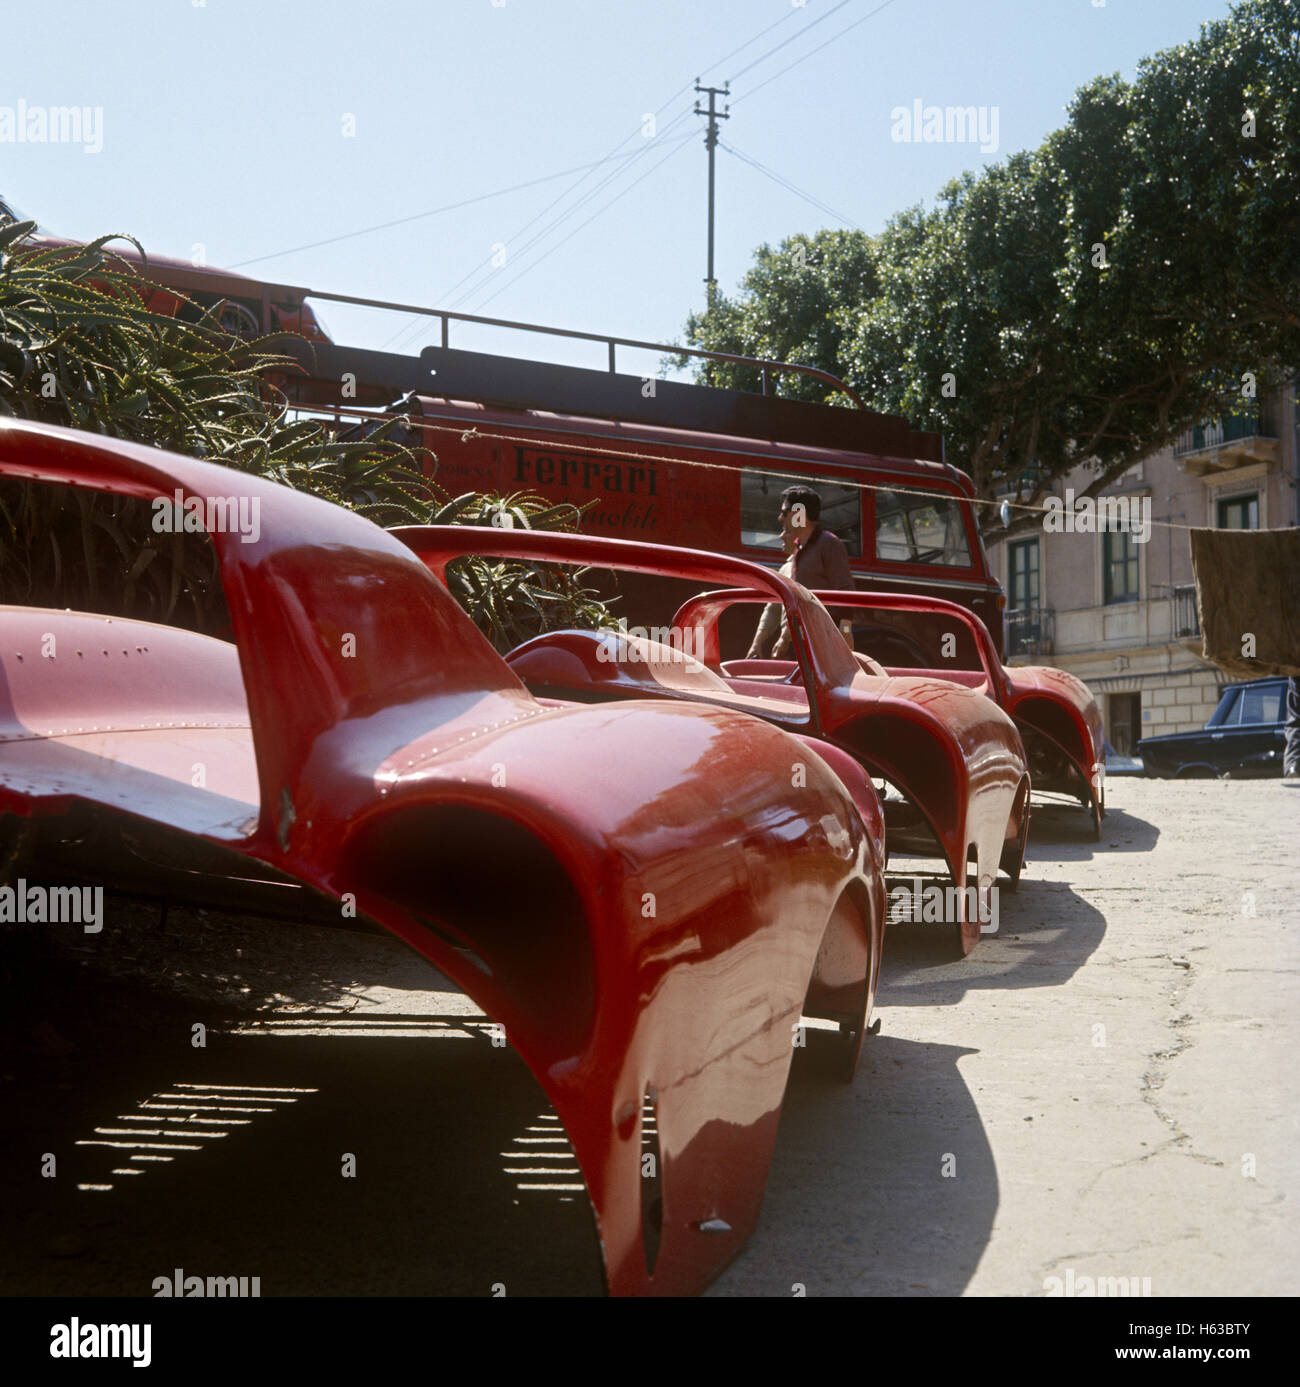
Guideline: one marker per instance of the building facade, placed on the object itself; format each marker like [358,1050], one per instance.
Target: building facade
[1118,610]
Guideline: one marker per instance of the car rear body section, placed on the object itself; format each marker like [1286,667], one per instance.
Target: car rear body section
[677,896]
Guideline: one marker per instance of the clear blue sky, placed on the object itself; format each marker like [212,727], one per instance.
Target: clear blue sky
[224,125]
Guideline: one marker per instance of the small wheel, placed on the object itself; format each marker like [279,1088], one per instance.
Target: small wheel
[238,320]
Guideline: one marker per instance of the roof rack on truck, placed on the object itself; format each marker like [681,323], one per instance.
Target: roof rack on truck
[518,383]
[692,465]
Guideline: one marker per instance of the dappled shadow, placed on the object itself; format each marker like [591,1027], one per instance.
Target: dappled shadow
[1046,933]
[244,961]
[443,1127]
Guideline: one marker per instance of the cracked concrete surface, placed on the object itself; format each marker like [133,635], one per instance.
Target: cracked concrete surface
[1114,1076]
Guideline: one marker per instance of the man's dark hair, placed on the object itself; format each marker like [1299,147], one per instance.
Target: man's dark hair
[803,496]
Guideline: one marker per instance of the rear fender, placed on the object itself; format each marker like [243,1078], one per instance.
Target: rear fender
[924,769]
[1074,767]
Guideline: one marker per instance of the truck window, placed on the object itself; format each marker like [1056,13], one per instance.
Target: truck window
[760,500]
[920,529]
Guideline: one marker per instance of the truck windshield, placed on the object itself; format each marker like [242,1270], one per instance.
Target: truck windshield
[918,529]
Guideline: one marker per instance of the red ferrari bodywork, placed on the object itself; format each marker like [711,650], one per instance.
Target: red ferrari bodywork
[955,756]
[1058,717]
[645,896]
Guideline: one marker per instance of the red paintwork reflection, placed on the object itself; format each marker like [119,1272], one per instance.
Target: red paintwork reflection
[641,894]
[955,755]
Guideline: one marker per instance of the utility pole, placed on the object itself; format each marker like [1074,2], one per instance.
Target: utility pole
[711,144]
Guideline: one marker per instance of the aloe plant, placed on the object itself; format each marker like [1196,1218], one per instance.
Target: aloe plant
[79,347]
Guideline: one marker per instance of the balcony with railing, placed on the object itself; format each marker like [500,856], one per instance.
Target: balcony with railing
[1021,484]
[1186,620]
[1030,631]
[1231,440]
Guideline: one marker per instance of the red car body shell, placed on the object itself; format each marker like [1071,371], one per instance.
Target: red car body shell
[955,755]
[675,903]
[1057,716]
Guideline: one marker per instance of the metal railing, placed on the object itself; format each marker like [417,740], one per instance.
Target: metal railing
[446,317]
[1186,620]
[1227,428]
[1029,630]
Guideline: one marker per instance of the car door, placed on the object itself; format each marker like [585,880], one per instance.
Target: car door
[1241,743]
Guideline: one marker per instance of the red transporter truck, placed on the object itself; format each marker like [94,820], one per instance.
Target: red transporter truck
[662,461]
[690,465]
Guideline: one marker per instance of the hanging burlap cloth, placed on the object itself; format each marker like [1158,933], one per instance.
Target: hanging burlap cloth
[1248,584]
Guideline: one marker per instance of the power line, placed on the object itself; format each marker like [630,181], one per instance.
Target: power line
[432,212]
[790,187]
[789,14]
[635,154]
[583,202]
[782,71]
[765,56]
[416,322]
[685,87]
[587,197]
[412,328]
[585,170]
[589,220]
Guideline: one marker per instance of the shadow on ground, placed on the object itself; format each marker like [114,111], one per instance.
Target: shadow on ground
[1045,933]
[1064,827]
[443,1128]
[858,1201]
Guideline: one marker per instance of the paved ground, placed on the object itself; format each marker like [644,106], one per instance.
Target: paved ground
[1114,1075]
[1106,1088]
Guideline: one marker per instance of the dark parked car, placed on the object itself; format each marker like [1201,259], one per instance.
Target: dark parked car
[1244,737]
[1119,764]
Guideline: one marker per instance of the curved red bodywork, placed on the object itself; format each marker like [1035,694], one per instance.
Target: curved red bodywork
[678,901]
[954,755]
[1058,717]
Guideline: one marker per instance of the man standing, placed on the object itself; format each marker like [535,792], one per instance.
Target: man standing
[820,560]
[1291,752]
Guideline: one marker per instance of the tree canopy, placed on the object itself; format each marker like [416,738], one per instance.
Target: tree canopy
[1081,303]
